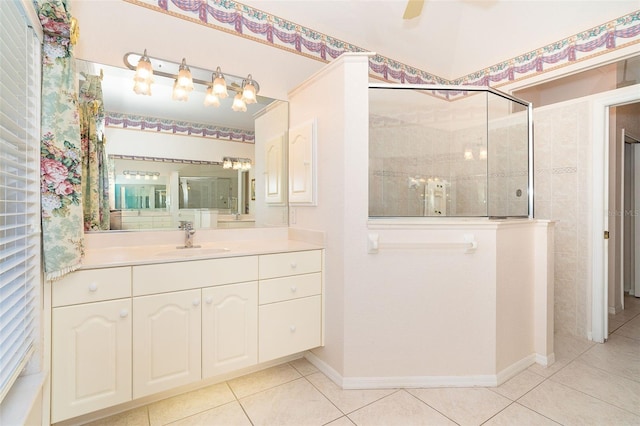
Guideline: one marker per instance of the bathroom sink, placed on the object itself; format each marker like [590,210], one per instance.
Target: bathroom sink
[191,252]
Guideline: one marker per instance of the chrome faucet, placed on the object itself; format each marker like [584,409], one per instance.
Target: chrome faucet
[188,234]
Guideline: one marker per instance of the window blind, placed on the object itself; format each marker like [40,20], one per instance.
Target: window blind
[19,192]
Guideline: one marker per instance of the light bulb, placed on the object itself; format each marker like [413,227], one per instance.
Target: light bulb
[220,85]
[184,76]
[249,91]
[238,103]
[211,99]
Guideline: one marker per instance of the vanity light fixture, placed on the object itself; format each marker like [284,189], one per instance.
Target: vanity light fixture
[185,77]
[143,77]
[242,164]
[128,174]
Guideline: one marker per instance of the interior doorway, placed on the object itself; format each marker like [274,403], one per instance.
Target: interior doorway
[600,225]
[630,262]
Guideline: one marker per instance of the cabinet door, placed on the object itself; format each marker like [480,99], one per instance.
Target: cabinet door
[91,357]
[273,152]
[166,341]
[302,164]
[229,328]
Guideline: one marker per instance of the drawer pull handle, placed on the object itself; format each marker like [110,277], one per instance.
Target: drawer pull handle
[209,300]
[124,313]
[292,328]
[196,302]
[294,265]
[294,289]
[93,287]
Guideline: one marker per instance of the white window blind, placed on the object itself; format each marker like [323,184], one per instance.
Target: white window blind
[19,192]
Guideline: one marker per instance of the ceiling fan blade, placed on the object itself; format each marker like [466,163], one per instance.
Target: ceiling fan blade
[413,10]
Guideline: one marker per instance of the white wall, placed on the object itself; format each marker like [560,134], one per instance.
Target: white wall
[166,145]
[399,315]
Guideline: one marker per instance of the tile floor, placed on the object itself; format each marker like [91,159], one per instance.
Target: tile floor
[589,384]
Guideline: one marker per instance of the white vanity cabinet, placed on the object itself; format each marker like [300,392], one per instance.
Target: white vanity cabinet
[170,328]
[290,311]
[91,341]
[123,333]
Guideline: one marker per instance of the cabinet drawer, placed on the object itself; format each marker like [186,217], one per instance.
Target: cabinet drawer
[289,327]
[287,288]
[175,276]
[92,285]
[284,264]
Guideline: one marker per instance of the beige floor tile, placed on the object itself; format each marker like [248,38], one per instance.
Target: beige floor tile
[619,355]
[465,406]
[230,414]
[630,329]
[615,390]
[516,414]
[296,403]
[303,366]
[570,407]
[614,325]
[187,404]
[347,400]
[342,421]
[519,385]
[401,409]
[566,348]
[135,417]
[262,380]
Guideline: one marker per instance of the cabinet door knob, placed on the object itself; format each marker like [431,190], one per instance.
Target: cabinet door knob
[292,328]
[196,302]
[124,313]
[208,300]
[294,265]
[294,289]
[93,287]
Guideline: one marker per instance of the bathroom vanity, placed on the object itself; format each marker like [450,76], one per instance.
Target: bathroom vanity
[149,319]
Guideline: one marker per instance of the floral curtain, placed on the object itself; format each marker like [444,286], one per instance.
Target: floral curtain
[62,230]
[95,179]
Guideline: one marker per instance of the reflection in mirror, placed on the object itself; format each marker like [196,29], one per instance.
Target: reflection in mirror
[152,192]
[166,157]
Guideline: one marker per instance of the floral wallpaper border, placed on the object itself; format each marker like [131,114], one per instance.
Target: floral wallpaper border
[153,124]
[164,160]
[244,21]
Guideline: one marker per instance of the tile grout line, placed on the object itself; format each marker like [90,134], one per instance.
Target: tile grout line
[433,408]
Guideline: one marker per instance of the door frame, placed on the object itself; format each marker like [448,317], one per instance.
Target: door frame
[600,188]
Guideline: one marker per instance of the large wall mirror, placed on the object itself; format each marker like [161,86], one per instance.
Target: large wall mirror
[166,157]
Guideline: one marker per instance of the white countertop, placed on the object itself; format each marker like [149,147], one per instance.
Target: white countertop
[110,253]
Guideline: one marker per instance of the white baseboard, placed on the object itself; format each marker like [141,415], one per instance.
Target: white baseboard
[489,380]
[324,368]
[545,360]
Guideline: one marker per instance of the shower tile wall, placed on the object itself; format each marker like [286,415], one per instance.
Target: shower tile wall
[397,154]
[562,178]
[402,152]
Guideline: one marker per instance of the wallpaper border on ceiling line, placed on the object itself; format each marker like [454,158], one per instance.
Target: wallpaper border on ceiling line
[612,35]
[253,24]
[154,124]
